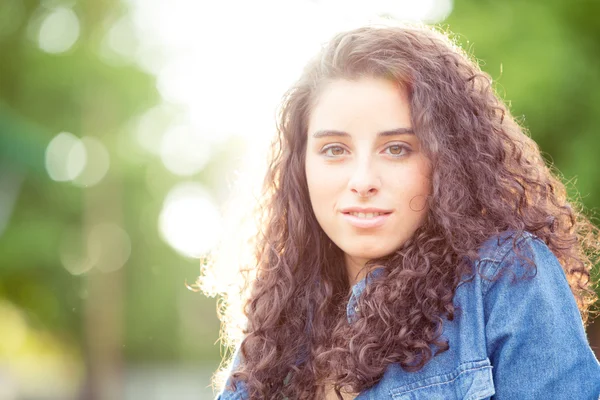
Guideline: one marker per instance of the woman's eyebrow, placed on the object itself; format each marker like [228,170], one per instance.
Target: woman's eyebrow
[392,132]
[398,131]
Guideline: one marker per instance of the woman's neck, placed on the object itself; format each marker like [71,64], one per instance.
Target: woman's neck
[355,269]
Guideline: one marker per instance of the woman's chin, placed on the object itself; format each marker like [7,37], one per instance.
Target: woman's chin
[365,256]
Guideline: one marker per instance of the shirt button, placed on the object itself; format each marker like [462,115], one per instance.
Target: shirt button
[356,309]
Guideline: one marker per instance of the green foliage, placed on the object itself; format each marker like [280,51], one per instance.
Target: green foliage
[544,58]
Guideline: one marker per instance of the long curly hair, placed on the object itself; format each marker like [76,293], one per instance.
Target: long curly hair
[488,176]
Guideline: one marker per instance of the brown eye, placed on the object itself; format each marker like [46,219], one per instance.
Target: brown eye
[337,151]
[334,151]
[397,150]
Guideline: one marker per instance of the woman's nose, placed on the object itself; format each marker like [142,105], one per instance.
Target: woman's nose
[364,181]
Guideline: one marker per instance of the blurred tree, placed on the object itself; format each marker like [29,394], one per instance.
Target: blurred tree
[544,57]
[44,93]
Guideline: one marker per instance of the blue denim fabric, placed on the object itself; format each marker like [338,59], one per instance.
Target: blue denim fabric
[517,334]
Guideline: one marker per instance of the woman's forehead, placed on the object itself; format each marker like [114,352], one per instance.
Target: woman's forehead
[371,104]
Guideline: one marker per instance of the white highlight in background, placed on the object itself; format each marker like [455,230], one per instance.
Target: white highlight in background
[184,151]
[59,30]
[189,220]
[65,157]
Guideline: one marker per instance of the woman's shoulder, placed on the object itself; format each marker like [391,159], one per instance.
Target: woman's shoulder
[496,248]
[531,320]
[517,256]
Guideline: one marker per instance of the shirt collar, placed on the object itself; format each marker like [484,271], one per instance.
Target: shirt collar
[357,289]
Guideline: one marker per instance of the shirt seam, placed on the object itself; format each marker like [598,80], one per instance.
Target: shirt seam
[497,262]
[393,393]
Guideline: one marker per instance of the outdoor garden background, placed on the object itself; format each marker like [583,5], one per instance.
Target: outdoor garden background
[124,125]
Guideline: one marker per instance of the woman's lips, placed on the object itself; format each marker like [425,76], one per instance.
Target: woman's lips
[366,220]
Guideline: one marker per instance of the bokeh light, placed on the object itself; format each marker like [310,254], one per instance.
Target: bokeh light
[120,43]
[184,151]
[108,246]
[66,157]
[189,221]
[59,30]
[73,251]
[150,127]
[96,165]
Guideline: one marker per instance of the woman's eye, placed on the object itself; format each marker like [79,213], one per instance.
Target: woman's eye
[396,150]
[334,151]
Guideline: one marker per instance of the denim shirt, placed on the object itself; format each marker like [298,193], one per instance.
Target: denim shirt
[516,334]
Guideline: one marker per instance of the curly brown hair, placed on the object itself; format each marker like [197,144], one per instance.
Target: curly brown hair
[488,176]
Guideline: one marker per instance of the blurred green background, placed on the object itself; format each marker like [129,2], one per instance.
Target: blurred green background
[123,125]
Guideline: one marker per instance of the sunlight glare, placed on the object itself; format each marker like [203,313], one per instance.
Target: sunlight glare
[150,127]
[226,65]
[184,151]
[189,220]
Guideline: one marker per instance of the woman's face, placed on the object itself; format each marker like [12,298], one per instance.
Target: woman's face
[367,177]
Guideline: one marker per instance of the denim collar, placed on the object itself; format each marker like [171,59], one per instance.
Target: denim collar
[352,309]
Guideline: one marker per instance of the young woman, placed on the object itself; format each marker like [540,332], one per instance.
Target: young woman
[414,244]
